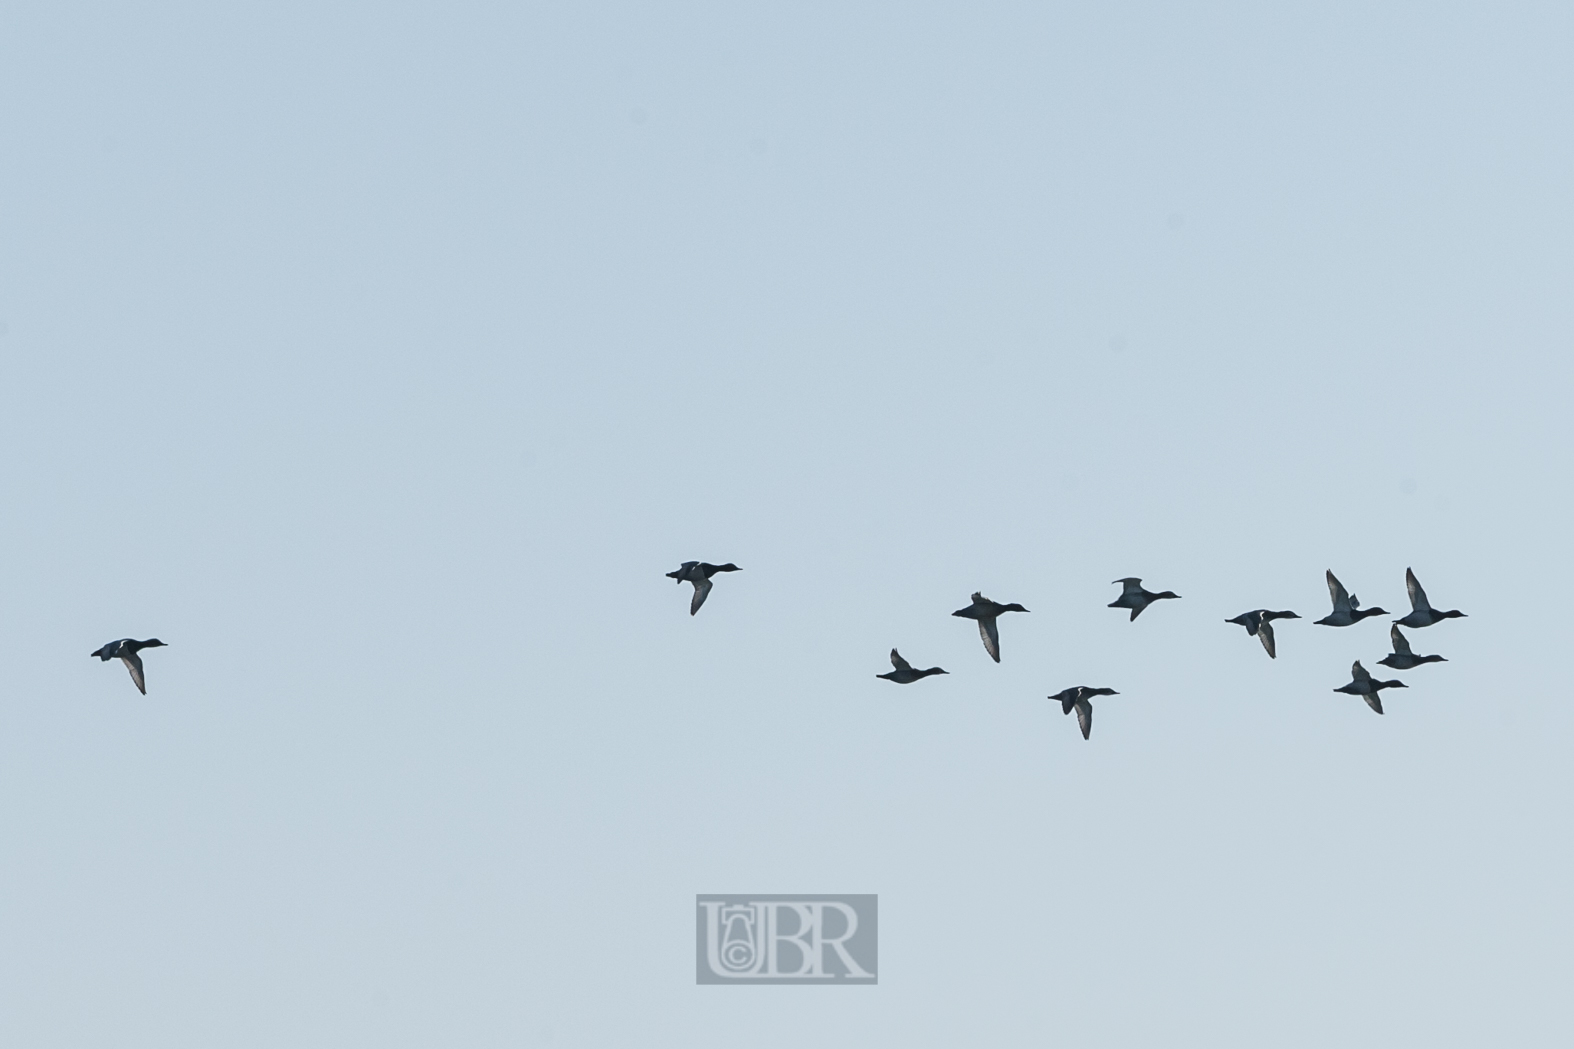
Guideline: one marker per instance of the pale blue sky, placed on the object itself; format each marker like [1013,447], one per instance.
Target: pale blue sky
[382,358]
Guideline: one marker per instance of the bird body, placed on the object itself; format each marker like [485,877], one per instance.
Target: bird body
[1259,624]
[699,573]
[1421,611]
[1136,598]
[986,612]
[1364,685]
[1077,698]
[1347,609]
[126,650]
[904,674]
[1402,658]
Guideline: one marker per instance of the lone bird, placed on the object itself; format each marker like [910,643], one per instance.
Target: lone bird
[1136,598]
[126,651]
[1076,698]
[1421,613]
[1258,623]
[1362,684]
[699,573]
[1347,609]
[1402,658]
[985,611]
[904,674]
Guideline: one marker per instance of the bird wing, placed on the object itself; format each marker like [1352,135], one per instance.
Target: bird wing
[1085,717]
[1265,635]
[898,662]
[1336,590]
[1358,672]
[1401,646]
[991,635]
[1130,586]
[134,664]
[1137,610]
[1418,600]
[701,592]
[1373,701]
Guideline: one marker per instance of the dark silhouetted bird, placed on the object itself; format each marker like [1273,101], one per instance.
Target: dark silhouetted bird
[1347,609]
[985,611]
[1364,685]
[1076,698]
[1402,658]
[1421,613]
[1136,598]
[126,651]
[699,573]
[904,674]
[1258,624]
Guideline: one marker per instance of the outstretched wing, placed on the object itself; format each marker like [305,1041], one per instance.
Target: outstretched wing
[991,635]
[1401,646]
[702,589]
[1085,717]
[1373,701]
[898,662]
[1418,600]
[1341,596]
[1265,635]
[134,664]
[1130,586]
[1358,672]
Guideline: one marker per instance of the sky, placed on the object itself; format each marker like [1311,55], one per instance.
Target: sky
[380,359]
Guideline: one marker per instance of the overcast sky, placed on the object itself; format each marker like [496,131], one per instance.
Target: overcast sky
[382,358]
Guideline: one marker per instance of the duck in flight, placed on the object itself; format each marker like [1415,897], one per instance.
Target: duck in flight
[1076,698]
[126,651]
[1258,625]
[1347,609]
[985,611]
[1364,685]
[904,674]
[1136,598]
[1402,658]
[699,573]
[1421,613]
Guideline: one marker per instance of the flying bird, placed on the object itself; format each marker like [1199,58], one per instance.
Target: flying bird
[1076,698]
[1136,598]
[1421,613]
[1402,658]
[1364,685]
[1347,609]
[1258,624]
[126,651]
[985,611]
[904,674]
[699,573]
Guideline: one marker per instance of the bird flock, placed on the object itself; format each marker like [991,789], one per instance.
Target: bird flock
[1347,611]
